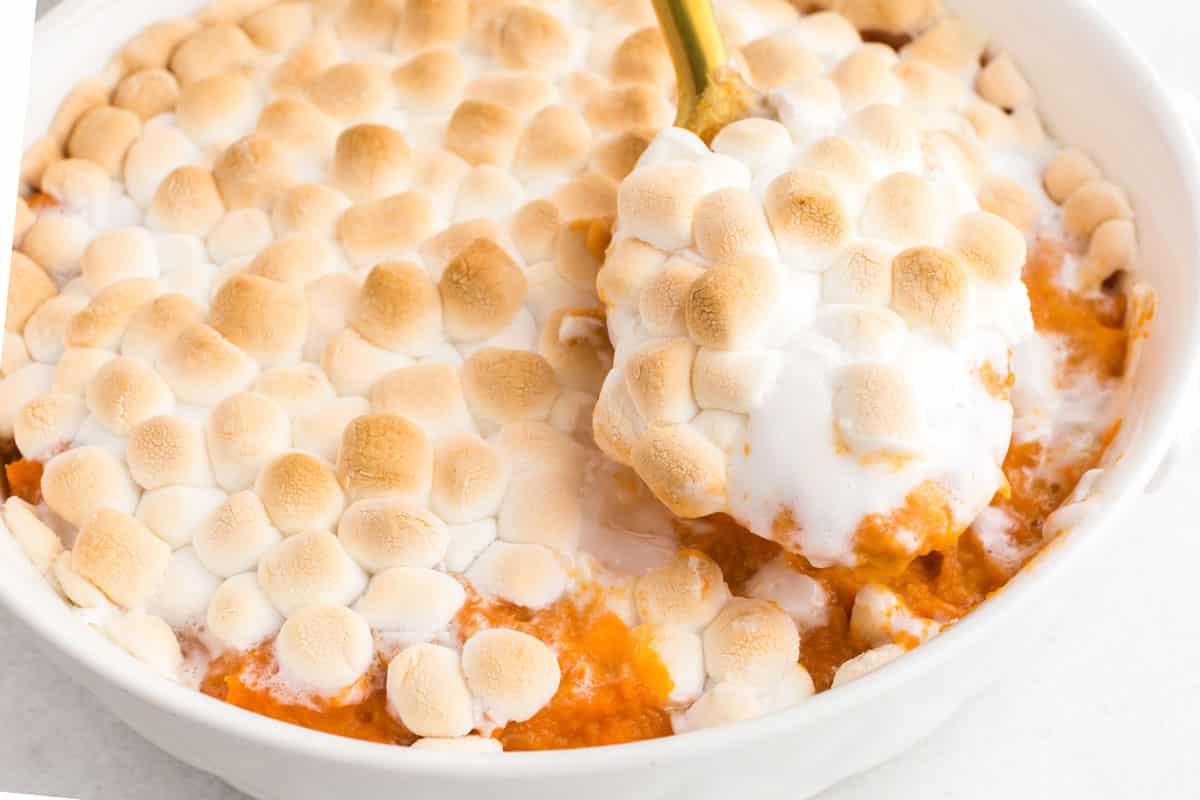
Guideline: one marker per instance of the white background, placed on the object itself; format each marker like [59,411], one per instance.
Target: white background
[1107,705]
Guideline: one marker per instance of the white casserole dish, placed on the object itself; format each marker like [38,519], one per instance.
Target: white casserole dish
[1095,93]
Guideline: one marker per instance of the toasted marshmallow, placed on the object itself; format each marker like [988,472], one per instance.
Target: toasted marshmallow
[481,290]
[149,639]
[1113,248]
[426,690]
[103,136]
[1093,204]
[383,455]
[121,557]
[437,251]
[903,209]
[398,309]
[881,617]
[802,597]
[482,132]
[55,242]
[1069,170]
[234,534]
[721,704]
[125,392]
[430,80]
[469,479]
[40,544]
[167,450]
[688,592]
[679,652]
[293,76]
[77,367]
[103,321]
[187,201]
[324,648]
[732,381]
[245,432]
[557,139]
[299,493]
[298,126]
[542,509]
[929,290]
[616,157]
[152,47]
[77,589]
[683,469]
[77,184]
[263,317]
[210,50]
[806,215]
[512,673]
[366,23]
[411,600]
[308,208]
[161,150]
[202,367]
[151,328]
[866,78]
[386,229]
[427,394]
[503,386]
[990,246]
[118,255]
[658,203]
[751,642]
[875,410]
[216,110]
[308,569]
[865,663]
[240,615]
[1007,198]
[176,513]
[240,234]
[252,172]
[298,390]
[279,28]
[352,91]
[616,422]
[486,190]
[380,533]
[27,383]
[528,575]
[186,590]
[426,22]
[629,107]
[354,365]
[371,162]
[525,37]
[952,44]
[521,93]
[46,424]
[659,381]
[29,287]
[777,60]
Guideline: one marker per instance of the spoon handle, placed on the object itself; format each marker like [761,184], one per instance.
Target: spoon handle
[696,47]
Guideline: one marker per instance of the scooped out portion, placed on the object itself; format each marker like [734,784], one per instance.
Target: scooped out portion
[813,318]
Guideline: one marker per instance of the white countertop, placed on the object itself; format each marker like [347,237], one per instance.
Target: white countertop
[1106,706]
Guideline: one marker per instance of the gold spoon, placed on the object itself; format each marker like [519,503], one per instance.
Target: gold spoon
[711,93]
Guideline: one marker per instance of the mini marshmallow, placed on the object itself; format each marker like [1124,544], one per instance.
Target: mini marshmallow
[528,575]
[324,648]
[398,309]
[27,383]
[245,431]
[117,255]
[56,241]
[165,450]
[688,592]
[103,321]
[904,210]
[427,394]
[298,126]
[526,37]
[295,260]
[176,513]
[81,481]
[252,172]
[929,290]
[385,455]
[263,317]
[152,327]
[103,136]
[951,43]
[1093,204]
[331,299]
[875,410]
[279,28]
[234,534]
[380,533]
[1113,248]
[1007,198]
[78,590]
[202,367]
[616,157]
[320,431]
[865,663]
[659,380]
[657,204]
[863,332]
[40,544]
[486,190]
[161,150]
[865,77]
[299,389]
[574,343]
[880,617]
[152,47]
[542,509]
[239,613]
[733,381]
[310,59]
[239,234]
[425,22]
[430,80]
[186,590]
[629,107]
[300,492]
[682,468]
[990,246]
[806,215]
[503,386]
[186,201]
[210,50]
[308,208]
[469,479]
[352,91]
[387,229]
[29,287]
[751,642]
[1002,83]
[411,600]
[426,690]
[681,653]
[1069,170]
[371,162]
[512,673]
[521,93]
[481,132]
[777,60]
[721,704]
[308,569]
[481,289]
[77,367]
[215,110]
[121,556]
[46,425]
[149,639]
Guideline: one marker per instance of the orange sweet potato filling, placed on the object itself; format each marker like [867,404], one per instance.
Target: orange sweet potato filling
[24,479]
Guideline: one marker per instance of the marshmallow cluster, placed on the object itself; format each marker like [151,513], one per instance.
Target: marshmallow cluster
[806,314]
[307,323]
